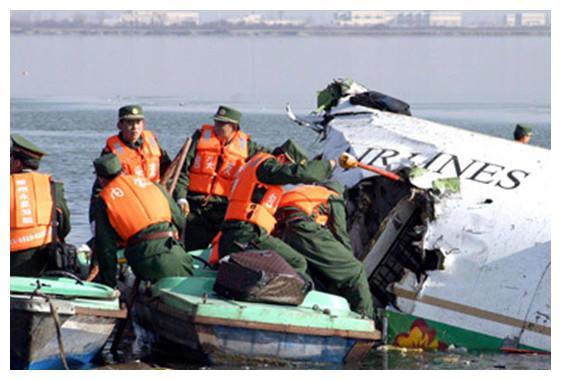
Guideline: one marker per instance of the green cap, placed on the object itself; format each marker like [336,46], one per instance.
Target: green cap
[228,115]
[522,130]
[24,148]
[131,112]
[292,150]
[107,166]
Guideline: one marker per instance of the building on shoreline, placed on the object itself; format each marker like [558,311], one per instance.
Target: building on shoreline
[449,19]
[363,18]
[394,18]
[527,19]
[258,20]
[154,18]
[270,23]
[412,19]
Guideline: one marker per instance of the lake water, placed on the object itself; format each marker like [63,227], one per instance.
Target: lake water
[266,72]
[67,101]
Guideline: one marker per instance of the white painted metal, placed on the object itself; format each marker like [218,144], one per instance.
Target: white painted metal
[496,233]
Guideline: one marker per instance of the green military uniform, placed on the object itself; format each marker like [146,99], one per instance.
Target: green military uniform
[149,260]
[328,250]
[33,261]
[238,235]
[206,212]
[129,112]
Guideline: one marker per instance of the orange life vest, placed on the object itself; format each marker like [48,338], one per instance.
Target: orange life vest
[214,249]
[143,161]
[206,176]
[134,203]
[308,199]
[240,205]
[31,211]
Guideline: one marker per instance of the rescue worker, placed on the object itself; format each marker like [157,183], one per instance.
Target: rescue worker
[312,220]
[137,149]
[522,133]
[138,214]
[31,210]
[216,154]
[254,199]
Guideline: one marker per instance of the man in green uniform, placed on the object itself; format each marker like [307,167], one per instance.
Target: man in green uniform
[312,220]
[205,180]
[137,156]
[24,159]
[238,235]
[153,252]
[522,133]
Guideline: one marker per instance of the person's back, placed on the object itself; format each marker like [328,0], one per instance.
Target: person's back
[255,196]
[136,213]
[39,215]
[312,220]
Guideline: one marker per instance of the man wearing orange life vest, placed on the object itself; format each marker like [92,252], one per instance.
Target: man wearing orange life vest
[31,210]
[255,197]
[312,220]
[137,149]
[216,154]
[140,215]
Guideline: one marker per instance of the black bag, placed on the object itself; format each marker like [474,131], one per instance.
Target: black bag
[260,276]
[379,101]
[62,256]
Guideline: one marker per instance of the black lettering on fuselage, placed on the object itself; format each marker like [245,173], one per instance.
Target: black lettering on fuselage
[483,170]
[430,161]
[413,155]
[457,167]
[391,153]
[515,181]
[365,154]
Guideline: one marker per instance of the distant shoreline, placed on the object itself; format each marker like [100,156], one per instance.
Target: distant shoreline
[320,31]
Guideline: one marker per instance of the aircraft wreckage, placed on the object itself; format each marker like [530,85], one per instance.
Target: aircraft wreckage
[458,252]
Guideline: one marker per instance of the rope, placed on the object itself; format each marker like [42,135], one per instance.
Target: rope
[56,319]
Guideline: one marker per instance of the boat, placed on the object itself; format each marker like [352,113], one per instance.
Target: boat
[59,322]
[458,252]
[188,318]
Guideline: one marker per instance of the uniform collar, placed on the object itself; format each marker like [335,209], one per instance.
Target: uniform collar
[136,145]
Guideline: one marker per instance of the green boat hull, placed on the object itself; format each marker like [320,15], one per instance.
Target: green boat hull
[87,314]
[186,314]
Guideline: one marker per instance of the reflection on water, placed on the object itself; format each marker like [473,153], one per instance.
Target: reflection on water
[133,355]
